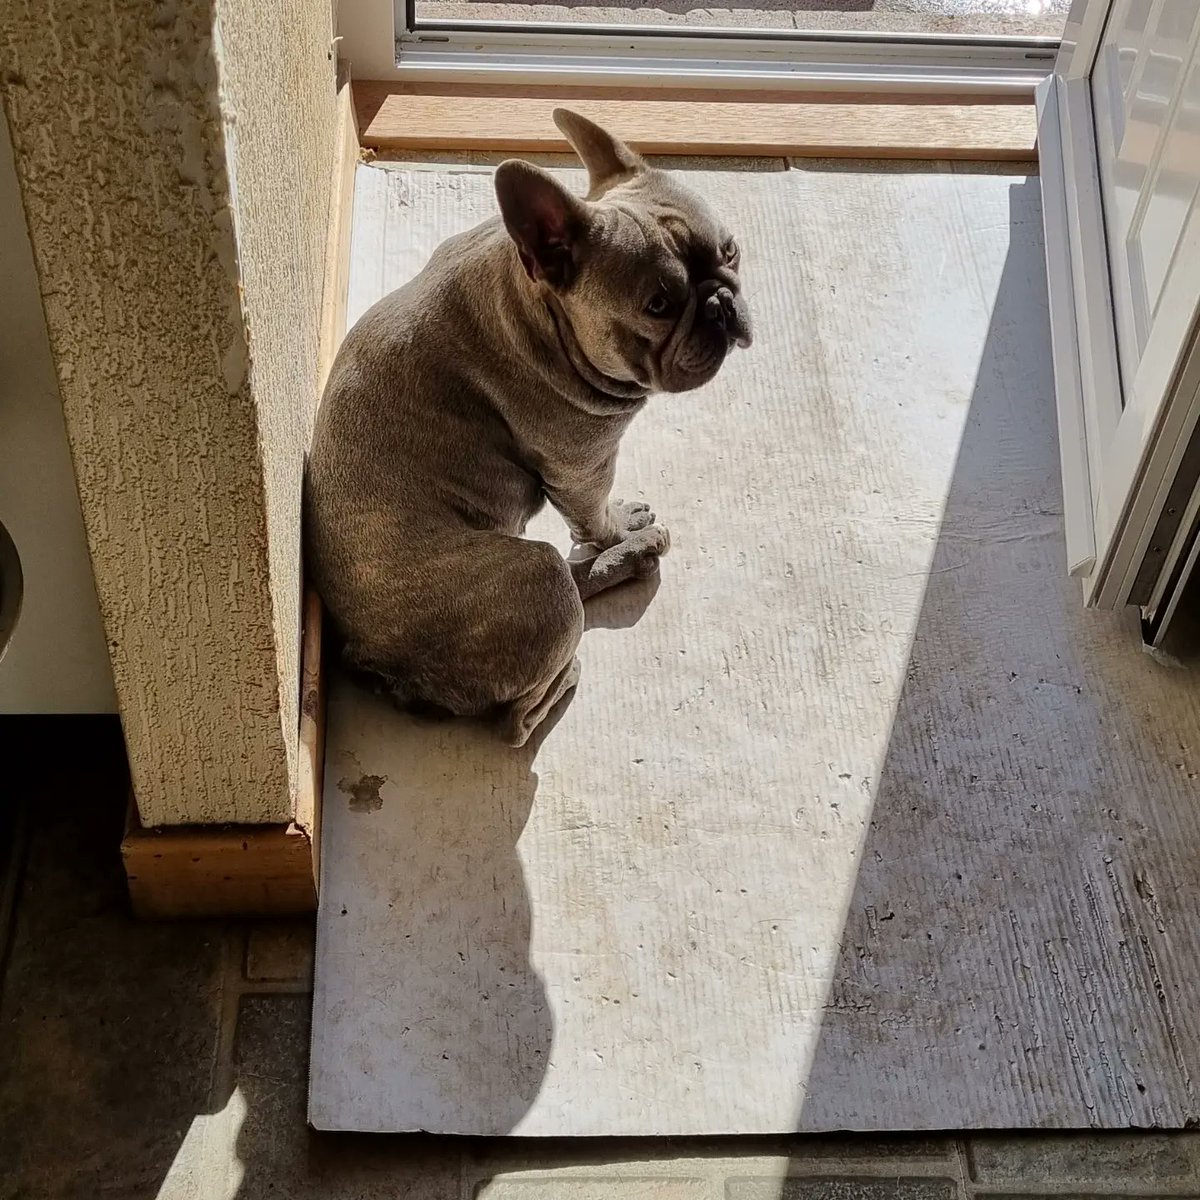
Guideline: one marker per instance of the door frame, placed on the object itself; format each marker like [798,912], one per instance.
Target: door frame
[384,40]
[1120,459]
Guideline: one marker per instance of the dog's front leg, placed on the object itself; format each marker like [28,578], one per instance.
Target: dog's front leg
[634,558]
[594,519]
[630,543]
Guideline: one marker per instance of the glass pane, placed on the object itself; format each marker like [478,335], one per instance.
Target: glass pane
[1015,18]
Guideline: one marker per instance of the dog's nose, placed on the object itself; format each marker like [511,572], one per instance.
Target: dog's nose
[719,307]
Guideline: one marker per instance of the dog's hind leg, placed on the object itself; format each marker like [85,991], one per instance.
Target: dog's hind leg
[494,638]
[539,628]
[524,715]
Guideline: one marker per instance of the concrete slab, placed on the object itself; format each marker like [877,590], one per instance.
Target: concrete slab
[859,811]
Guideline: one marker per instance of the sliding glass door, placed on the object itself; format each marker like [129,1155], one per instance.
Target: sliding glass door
[956,47]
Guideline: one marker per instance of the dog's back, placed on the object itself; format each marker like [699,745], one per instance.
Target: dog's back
[410,454]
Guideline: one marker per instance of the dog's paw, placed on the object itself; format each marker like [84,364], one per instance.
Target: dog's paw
[645,548]
[630,516]
[636,557]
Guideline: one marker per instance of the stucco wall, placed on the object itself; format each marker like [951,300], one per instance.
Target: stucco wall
[278,100]
[174,166]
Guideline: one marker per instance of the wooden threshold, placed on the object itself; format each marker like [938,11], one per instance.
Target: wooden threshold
[428,118]
[311,766]
[218,871]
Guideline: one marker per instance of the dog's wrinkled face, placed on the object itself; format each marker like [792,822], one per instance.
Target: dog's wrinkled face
[643,275]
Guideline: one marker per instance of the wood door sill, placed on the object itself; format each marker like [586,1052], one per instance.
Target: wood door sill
[218,871]
[431,117]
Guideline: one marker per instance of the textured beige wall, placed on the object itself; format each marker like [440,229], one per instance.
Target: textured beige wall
[278,99]
[174,181]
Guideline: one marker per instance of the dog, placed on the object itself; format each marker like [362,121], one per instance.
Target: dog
[500,377]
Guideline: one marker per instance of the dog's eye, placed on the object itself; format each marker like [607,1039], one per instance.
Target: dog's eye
[659,304]
[730,250]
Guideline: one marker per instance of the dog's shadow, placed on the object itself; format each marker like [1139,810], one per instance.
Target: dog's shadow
[422,859]
[426,924]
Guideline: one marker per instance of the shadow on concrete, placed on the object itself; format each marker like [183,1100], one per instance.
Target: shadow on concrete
[1018,949]
[447,1026]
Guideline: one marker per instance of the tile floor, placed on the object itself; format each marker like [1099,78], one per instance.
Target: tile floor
[169,1061]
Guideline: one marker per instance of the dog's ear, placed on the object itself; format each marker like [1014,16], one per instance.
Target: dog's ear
[545,220]
[607,158]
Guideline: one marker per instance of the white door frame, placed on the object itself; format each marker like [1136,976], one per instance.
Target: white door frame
[1120,454]
[382,40]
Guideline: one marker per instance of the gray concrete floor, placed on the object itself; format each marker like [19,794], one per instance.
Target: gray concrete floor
[1023,18]
[141,1061]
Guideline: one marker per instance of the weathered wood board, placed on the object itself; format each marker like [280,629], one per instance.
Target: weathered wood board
[859,820]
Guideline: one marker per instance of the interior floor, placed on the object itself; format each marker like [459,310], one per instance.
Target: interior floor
[857,820]
[169,1062]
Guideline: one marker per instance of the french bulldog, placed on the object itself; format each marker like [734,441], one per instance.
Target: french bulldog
[500,377]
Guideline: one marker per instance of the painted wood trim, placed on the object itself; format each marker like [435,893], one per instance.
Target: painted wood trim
[518,120]
[1147,471]
[1099,374]
[311,763]
[366,32]
[311,766]
[1082,34]
[341,209]
[1125,506]
[1173,523]
[1064,336]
